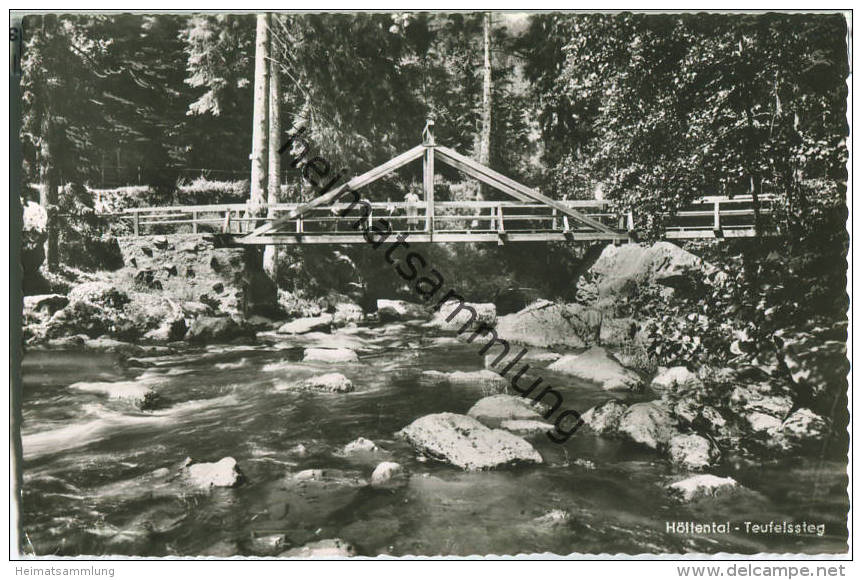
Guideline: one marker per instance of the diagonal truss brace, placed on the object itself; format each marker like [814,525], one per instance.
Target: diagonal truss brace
[359,181]
[512,187]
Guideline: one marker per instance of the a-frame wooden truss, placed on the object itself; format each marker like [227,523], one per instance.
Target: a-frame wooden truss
[428,151]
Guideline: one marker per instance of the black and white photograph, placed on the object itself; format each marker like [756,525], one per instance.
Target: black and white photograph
[393,284]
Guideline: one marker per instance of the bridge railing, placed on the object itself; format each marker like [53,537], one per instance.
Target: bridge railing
[706,217]
[448,216]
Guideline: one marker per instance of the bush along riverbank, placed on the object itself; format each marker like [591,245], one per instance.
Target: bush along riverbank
[654,325]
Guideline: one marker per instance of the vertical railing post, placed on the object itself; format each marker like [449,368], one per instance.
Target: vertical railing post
[137,224]
[226,226]
[716,216]
[500,225]
[194,222]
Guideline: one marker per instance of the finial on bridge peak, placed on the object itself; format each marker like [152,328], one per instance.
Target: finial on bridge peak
[428,132]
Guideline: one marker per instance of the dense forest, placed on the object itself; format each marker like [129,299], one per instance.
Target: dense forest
[646,110]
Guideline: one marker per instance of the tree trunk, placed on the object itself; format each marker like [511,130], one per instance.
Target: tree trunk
[485,136]
[48,193]
[260,129]
[270,253]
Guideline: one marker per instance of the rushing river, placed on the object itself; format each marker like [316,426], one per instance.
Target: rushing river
[88,459]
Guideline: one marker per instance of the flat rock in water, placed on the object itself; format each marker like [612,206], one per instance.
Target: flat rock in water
[223,473]
[647,424]
[330,355]
[534,359]
[347,313]
[705,485]
[334,548]
[597,366]
[105,344]
[320,323]
[134,391]
[328,383]
[482,378]
[360,445]
[466,443]
[525,427]
[501,407]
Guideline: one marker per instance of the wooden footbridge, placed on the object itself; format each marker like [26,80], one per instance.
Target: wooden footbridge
[341,216]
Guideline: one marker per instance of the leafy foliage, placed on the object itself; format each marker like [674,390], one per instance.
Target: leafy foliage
[659,109]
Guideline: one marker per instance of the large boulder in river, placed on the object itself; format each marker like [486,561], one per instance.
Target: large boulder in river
[620,269]
[546,324]
[455,315]
[320,323]
[598,366]
[604,419]
[37,312]
[156,317]
[94,309]
[466,443]
[692,452]
[647,424]
[763,410]
[398,310]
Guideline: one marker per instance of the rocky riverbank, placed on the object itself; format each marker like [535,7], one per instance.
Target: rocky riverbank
[701,422]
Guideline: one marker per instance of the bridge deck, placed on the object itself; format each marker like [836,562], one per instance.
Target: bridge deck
[462,221]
